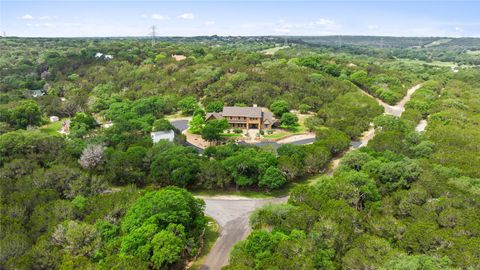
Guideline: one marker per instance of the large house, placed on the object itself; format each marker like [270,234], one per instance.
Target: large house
[245,117]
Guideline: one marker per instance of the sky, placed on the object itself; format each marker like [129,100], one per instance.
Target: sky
[106,18]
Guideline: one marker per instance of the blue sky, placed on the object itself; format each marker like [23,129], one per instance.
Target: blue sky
[235,17]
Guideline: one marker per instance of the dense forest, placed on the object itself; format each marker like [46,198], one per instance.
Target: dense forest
[104,196]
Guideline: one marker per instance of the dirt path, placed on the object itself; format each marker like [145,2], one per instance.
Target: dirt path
[395,110]
[421,125]
[399,108]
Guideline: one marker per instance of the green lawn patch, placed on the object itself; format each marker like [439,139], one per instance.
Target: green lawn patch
[276,135]
[231,135]
[52,128]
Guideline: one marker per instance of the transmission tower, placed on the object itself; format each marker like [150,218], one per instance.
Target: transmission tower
[153,27]
[286,41]
[381,43]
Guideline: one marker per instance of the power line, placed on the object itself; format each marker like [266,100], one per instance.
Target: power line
[153,27]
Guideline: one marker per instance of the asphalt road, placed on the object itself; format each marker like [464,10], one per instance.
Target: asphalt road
[232,214]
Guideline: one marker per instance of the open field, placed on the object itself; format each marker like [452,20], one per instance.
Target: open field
[274,50]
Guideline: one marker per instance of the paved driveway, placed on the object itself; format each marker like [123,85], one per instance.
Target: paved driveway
[232,214]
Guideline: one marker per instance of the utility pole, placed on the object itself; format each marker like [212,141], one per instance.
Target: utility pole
[381,43]
[340,41]
[153,27]
[286,42]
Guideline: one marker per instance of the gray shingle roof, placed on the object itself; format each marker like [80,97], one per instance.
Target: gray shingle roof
[242,111]
[267,115]
[215,115]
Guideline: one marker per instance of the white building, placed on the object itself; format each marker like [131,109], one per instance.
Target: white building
[100,55]
[168,135]
[54,118]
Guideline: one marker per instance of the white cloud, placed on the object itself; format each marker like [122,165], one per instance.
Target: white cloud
[145,16]
[27,17]
[458,29]
[187,16]
[325,23]
[48,17]
[372,26]
[39,24]
[209,23]
[159,17]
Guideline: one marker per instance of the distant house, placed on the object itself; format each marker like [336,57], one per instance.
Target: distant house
[37,93]
[168,135]
[100,55]
[179,57]
[245,117]
[54,118]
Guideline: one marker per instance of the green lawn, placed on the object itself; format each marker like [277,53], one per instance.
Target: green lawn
[212,232]
[277,134]
[53,128]
[231,135]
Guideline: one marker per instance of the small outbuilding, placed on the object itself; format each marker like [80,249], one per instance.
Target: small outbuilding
[179,57]
[54,118]
[168,135]
[37,93]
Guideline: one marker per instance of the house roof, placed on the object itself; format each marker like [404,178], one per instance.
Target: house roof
[214,114]
[162,133]
[242,111]
[267,115]
[37,93]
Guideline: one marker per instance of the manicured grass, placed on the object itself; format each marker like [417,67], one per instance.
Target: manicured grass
[52,128]
[277,134]
[212,232]
[231,135]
